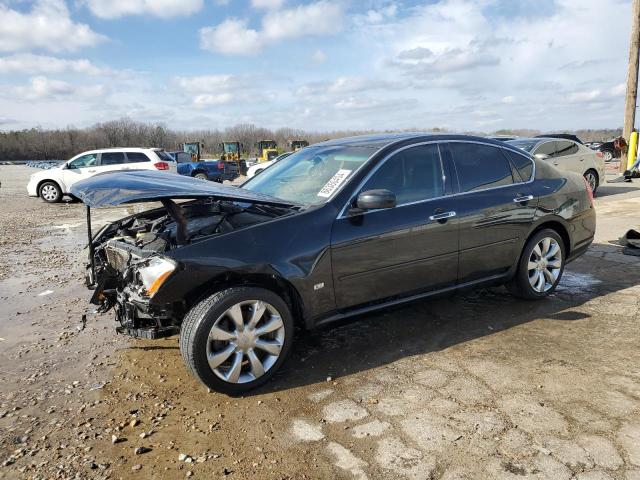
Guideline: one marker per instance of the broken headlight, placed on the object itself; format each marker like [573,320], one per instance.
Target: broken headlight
[154,273]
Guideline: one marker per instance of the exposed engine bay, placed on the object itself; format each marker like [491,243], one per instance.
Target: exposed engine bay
[128,260]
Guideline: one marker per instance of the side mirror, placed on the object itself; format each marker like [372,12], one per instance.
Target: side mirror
[376,199]
[542,156]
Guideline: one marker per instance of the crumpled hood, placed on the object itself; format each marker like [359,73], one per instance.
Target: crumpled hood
[145,186]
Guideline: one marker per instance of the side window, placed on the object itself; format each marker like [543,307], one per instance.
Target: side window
[564,147]
[413,174]
[87,160]
[112,158]
[548,148]
[480,166]
[136,157]
[524,165]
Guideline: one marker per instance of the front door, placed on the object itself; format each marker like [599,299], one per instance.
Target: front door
[78,169]
[495,210]
[411,248]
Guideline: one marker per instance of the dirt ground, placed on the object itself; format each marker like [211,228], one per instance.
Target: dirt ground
[475,386]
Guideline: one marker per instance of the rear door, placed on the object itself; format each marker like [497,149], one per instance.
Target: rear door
[568,157]
[495,209]
[137,161]
[398,251]
[111,162]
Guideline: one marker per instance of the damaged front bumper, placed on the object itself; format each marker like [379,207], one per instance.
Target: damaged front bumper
[121,280]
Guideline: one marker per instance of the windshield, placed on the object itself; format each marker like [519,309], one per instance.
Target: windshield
[526,145]
[312,175]
[230,148]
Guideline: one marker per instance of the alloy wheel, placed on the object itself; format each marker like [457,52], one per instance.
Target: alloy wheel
[49,193]
[608,156]
[245,341]
[545,264]
[592,180]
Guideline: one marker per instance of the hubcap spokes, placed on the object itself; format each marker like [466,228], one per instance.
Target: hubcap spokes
[48,192]
[591,178]
[545,263]
[245,341]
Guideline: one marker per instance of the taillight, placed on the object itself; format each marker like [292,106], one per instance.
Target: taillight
[220,165]
[600,154]
[589,191]
[161,165]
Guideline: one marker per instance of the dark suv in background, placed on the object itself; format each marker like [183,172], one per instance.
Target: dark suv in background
[337,229]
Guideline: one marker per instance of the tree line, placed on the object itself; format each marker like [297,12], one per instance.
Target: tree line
[61,144]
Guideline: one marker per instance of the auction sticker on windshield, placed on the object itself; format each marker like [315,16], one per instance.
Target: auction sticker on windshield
[333,184]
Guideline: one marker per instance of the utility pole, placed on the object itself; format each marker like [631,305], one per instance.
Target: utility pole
[632,79]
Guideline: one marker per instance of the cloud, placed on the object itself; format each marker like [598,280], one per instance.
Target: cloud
[157,8]
[231,37]
[41,88]
[47,26]
[267,4]
[212,90]
[234,37]
[30,64]
[318,57]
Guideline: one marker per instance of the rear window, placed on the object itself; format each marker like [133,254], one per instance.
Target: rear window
[526,145]
[480,166]
[524,165]
[136,157]
[164,156]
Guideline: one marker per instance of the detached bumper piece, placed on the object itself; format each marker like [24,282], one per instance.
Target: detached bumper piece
[149,333]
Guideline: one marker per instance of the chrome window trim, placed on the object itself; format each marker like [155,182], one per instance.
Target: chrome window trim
[344,209]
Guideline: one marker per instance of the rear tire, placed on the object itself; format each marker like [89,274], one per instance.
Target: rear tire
[608,155]
[221,343]
[50,192]
[201,176]
[540,267]
[593,179]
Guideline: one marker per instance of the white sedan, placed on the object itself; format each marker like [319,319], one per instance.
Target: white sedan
[52,184]
[566,155]
[258,167]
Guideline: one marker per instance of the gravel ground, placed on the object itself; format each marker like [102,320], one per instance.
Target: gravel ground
[474,386]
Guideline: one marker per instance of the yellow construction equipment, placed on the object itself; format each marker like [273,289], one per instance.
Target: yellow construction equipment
[267,150]
[230,151]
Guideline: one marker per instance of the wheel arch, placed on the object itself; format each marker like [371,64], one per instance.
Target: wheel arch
[49,180]
[276,284]
[559,228]
[199,170]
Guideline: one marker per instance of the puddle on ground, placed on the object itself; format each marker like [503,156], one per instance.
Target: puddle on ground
[576,283]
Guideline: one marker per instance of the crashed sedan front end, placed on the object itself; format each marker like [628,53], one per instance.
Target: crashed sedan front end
[131,259]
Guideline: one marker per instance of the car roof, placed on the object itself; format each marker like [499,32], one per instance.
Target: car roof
[122,149]
[381,140]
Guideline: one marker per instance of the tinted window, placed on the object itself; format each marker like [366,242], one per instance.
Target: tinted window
[480,166]
[135,157]
[112,158]
[564,147]
[413,174]
[183,157]
[164,156]
[523,165]
[526,145]
[84,161]
[548,148]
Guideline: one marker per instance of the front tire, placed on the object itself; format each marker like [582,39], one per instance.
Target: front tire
[235,340]
[592,178]
[608,155]
[50,192]
[540,267]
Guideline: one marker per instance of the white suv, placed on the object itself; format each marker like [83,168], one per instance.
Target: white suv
[51,185]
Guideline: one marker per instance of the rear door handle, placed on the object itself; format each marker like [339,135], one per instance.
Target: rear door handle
[442,216]
[526,198]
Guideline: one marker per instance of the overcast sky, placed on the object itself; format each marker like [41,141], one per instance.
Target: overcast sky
[475,65]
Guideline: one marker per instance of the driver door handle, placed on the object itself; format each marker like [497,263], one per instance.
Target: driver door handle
[442,216]
[91,170]
[526,198]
